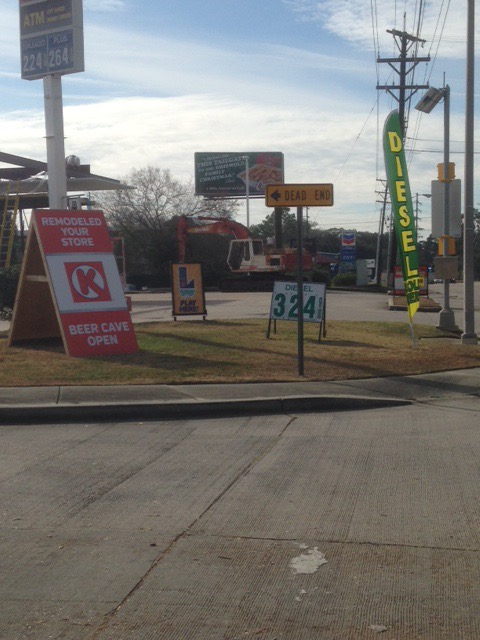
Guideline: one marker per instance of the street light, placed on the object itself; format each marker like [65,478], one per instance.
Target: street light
[429,101]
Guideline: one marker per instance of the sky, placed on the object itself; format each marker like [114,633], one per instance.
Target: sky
[164,80]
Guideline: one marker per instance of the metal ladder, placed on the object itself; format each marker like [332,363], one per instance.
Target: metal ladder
[8,227]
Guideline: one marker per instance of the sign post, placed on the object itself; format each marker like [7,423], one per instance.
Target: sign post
[300,289]
[299,195]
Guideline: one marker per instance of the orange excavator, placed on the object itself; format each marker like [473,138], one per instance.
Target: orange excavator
[254,267]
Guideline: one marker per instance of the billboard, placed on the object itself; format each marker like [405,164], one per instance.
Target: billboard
[226,175]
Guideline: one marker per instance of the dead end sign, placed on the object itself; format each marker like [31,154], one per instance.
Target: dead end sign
[300,195]
[70,287]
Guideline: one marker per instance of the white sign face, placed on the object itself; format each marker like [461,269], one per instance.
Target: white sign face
[454,209]
[284,305]
[88,283]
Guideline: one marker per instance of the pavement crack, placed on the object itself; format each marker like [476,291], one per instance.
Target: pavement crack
[241,474]
[360,543]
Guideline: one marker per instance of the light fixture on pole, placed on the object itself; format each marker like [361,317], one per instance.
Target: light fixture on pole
[426,105]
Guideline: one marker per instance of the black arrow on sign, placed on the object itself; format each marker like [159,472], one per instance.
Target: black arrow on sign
[276,195]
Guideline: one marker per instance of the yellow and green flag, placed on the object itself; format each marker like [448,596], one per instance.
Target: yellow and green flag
[402,208]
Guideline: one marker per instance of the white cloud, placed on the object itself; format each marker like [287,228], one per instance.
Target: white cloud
[362,23]
[149,98]
[116,135]
[104,5]
[165,66]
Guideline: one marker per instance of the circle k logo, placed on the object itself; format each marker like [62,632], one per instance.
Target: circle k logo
[88,282]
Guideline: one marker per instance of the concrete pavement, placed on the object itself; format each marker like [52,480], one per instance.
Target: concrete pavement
[344,525]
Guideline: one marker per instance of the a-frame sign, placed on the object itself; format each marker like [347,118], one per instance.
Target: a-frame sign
[70,287]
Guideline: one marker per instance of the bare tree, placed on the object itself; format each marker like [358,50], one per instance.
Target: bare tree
[146,217]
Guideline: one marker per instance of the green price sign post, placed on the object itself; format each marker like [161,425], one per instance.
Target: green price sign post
[287,299]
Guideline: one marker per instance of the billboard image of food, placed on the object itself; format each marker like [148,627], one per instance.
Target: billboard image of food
[224,175]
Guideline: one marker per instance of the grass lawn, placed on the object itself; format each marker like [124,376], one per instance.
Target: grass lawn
[238,351]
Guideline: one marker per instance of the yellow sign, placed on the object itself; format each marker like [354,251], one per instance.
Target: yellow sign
[188,294]
[441,172]
[299,195]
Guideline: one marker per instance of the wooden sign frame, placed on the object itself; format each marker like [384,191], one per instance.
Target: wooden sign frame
[70,288]
[188,293]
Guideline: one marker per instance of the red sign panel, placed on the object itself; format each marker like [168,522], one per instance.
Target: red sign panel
[97,334]
[87,281]
[399,283]
[84,277]
[67,232]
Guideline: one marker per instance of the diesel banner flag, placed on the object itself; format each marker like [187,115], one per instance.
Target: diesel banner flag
[403,214]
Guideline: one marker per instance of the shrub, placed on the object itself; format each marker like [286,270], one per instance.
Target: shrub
[8,288]
[321,275]
[345,279]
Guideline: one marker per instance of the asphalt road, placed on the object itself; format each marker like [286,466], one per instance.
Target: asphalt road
[330,526]
[340,305]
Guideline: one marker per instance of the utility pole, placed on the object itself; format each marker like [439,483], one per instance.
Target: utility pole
[469,336]
[381,226]
[402,92]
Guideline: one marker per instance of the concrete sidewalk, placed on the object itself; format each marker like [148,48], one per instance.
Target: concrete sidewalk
[109,403]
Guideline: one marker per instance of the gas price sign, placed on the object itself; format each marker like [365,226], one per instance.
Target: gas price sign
[51,37]
[284,304]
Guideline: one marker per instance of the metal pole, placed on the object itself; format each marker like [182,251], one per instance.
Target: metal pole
[247,186]
[300,289]
[57,173]
[469,336]
[446,318]
[378,257]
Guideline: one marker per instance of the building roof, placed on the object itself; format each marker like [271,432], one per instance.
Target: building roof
[29,179]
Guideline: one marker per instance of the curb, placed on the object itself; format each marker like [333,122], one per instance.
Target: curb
[66,413]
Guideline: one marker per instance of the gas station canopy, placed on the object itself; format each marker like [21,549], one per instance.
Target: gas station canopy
[29,178]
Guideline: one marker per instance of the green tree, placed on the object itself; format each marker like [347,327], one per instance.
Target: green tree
[266,228]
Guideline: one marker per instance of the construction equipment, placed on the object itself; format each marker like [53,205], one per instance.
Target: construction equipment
[253,266]
[8,228]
